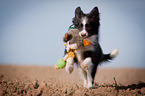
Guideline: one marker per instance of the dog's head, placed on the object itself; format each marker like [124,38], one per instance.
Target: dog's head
[88,24]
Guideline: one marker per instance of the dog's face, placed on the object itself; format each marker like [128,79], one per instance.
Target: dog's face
[88,24]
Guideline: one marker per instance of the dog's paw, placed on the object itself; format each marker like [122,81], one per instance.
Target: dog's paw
[90,85]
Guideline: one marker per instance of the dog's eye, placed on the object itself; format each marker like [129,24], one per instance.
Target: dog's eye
[81,25]
[87,25]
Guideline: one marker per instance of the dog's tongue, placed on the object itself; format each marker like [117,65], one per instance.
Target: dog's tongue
[86,42]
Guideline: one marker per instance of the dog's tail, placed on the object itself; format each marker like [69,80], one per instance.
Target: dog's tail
[110,56]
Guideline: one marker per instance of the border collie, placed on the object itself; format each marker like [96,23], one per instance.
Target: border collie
[88,57]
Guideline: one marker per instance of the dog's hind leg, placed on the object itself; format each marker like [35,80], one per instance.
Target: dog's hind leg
[93,70]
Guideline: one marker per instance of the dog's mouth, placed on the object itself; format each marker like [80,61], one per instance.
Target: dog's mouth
[83,34]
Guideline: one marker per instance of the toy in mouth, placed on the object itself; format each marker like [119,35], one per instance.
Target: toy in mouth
[73,42]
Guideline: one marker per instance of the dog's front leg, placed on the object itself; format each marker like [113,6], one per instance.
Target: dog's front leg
[83,74]
[86,65]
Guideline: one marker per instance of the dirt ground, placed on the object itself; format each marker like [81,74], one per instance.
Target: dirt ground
[46,81]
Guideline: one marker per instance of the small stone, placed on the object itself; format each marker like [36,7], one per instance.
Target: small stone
[36,85]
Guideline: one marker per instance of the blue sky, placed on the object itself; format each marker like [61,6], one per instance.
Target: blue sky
[31,31]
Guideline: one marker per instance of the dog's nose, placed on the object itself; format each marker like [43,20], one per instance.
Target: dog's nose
[83,34]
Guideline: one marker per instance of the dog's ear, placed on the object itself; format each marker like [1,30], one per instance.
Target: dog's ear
[78,12]
[94,13]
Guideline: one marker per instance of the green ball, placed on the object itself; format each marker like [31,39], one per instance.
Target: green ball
[60,63]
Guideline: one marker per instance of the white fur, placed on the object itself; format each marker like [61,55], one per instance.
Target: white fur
[86,65]
[87,62]
[83,74]
[84,21]
[114,53]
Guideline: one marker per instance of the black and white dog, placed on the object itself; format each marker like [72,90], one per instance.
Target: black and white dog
[88,57]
